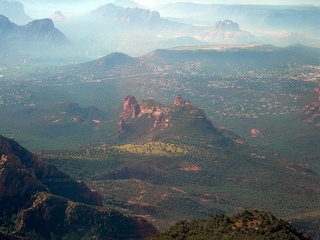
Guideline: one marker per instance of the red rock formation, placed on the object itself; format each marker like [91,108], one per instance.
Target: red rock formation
[16,180]
[160,120]
[130,106]
[178,100]
[255,132]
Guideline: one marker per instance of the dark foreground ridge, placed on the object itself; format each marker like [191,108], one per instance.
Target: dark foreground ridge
[246,225]
[38,201]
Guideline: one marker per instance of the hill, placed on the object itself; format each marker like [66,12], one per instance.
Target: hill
[111,61]
[246,225]
[38,202]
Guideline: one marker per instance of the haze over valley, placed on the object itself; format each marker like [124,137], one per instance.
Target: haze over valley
[159,120]
[100,28]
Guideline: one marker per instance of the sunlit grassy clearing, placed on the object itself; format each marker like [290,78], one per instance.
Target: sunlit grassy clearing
[156,148]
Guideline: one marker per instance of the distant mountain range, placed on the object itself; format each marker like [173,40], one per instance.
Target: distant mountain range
[109,27]
[152,21]
[303,18]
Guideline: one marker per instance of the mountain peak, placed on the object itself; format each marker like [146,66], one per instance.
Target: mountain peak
[43,24]
[42,30]
[58,16]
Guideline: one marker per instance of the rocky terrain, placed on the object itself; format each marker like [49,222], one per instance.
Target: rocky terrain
[150,121]
[23,174]
[38,199]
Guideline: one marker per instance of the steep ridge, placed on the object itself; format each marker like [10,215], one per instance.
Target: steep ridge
[34,175]
[27,188]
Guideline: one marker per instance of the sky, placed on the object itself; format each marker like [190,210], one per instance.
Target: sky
[273,2]
[73,8]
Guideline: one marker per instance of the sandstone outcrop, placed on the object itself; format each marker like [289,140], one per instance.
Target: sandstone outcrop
[178,100]
[23,173]
[130,107]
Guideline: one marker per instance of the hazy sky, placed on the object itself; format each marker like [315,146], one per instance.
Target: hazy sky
[276,2]
[72,8]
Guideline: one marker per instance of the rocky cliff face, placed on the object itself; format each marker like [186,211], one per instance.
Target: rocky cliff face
[40,195]
[178,100]
[133,109]
[130,107]
[22,174]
